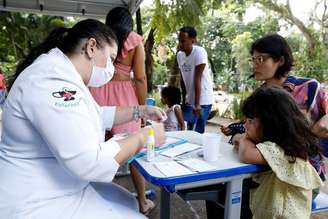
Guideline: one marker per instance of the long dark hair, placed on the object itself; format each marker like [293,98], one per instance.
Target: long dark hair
[276,46]
[68,40]
[121,22]
[282,122]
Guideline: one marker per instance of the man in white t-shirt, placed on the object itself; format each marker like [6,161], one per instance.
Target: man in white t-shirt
[197,82]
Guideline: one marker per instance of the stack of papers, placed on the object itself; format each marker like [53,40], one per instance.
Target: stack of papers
[197,165]
[183,167]
[180,149]
[169,143]
[172,168]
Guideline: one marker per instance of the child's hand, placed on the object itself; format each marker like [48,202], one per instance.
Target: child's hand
[225,130]
[248,153]
[197,110]
[236,141]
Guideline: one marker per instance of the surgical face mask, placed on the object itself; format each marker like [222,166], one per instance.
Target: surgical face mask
[100,76]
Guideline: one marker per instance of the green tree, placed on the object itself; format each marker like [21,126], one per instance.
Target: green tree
[167,17]
[21,32]
[311,60]
[221,29]
[240,51]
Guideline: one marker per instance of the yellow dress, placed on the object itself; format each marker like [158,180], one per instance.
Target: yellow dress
[286,190]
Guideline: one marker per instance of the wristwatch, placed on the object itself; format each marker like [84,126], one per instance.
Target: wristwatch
[136,114]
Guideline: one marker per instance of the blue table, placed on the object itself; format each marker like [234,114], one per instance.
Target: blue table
[229,171]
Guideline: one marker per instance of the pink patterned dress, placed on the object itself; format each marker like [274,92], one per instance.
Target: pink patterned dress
[121,92]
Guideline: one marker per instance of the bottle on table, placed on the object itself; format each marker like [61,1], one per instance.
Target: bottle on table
[150,144]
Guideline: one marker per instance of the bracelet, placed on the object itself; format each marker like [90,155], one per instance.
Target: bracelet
[136,114]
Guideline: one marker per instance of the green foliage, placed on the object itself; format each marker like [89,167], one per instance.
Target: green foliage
[240,51]
[308,65]
[169,16]
[234,110]
[161,72]
[228,46]
[19,33]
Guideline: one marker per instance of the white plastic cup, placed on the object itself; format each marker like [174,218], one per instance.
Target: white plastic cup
[211,146]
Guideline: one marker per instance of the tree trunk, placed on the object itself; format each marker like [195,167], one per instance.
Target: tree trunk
[285,12]
[149,45]
[175,77]
[139,22]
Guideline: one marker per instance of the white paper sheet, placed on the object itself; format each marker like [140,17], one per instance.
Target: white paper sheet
[197,165]
[180,149]
[172,168]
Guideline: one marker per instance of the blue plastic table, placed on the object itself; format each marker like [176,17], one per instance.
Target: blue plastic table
[229,171]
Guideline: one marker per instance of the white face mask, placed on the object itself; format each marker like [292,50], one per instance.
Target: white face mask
[100,75]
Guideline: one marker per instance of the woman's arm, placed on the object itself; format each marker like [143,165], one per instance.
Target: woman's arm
[320,128]
[139,73]
[248,153]
[178,114]
[134,143]
[126,114]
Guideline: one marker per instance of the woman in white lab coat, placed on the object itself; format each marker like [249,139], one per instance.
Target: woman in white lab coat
[52,143]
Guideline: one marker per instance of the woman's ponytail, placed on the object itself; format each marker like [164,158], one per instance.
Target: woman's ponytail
[68,40]
[55,39]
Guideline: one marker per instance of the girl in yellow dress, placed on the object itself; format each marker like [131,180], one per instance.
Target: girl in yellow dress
[279,135]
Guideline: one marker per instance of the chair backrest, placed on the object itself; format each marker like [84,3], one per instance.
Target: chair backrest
[320,203]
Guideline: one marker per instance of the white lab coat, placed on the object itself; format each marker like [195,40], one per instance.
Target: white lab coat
[53,145]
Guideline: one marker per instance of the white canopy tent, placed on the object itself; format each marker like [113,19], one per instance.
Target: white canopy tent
[85,8]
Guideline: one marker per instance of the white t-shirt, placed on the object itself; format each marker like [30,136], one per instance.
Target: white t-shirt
[171,123]
[187,65]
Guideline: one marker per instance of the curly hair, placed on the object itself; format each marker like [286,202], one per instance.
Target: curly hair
[282,122]
[173,94]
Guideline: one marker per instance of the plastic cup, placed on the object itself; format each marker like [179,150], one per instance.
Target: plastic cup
[150,101]
[211,146]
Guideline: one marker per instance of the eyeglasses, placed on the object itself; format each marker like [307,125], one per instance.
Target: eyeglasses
[251,120]
[259,59]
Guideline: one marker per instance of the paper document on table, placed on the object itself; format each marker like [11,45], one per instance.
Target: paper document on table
[172,168]
[169,143]
[197,165]
[180,149]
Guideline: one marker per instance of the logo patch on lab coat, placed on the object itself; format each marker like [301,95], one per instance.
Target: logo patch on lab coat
[67,98]
[65,93]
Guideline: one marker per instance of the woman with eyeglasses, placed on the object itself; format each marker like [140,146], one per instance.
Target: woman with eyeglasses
[272,61]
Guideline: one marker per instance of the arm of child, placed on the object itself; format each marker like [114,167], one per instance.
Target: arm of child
[225,130]
[320,128]
[248,153]
[235,140]
[178,114]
